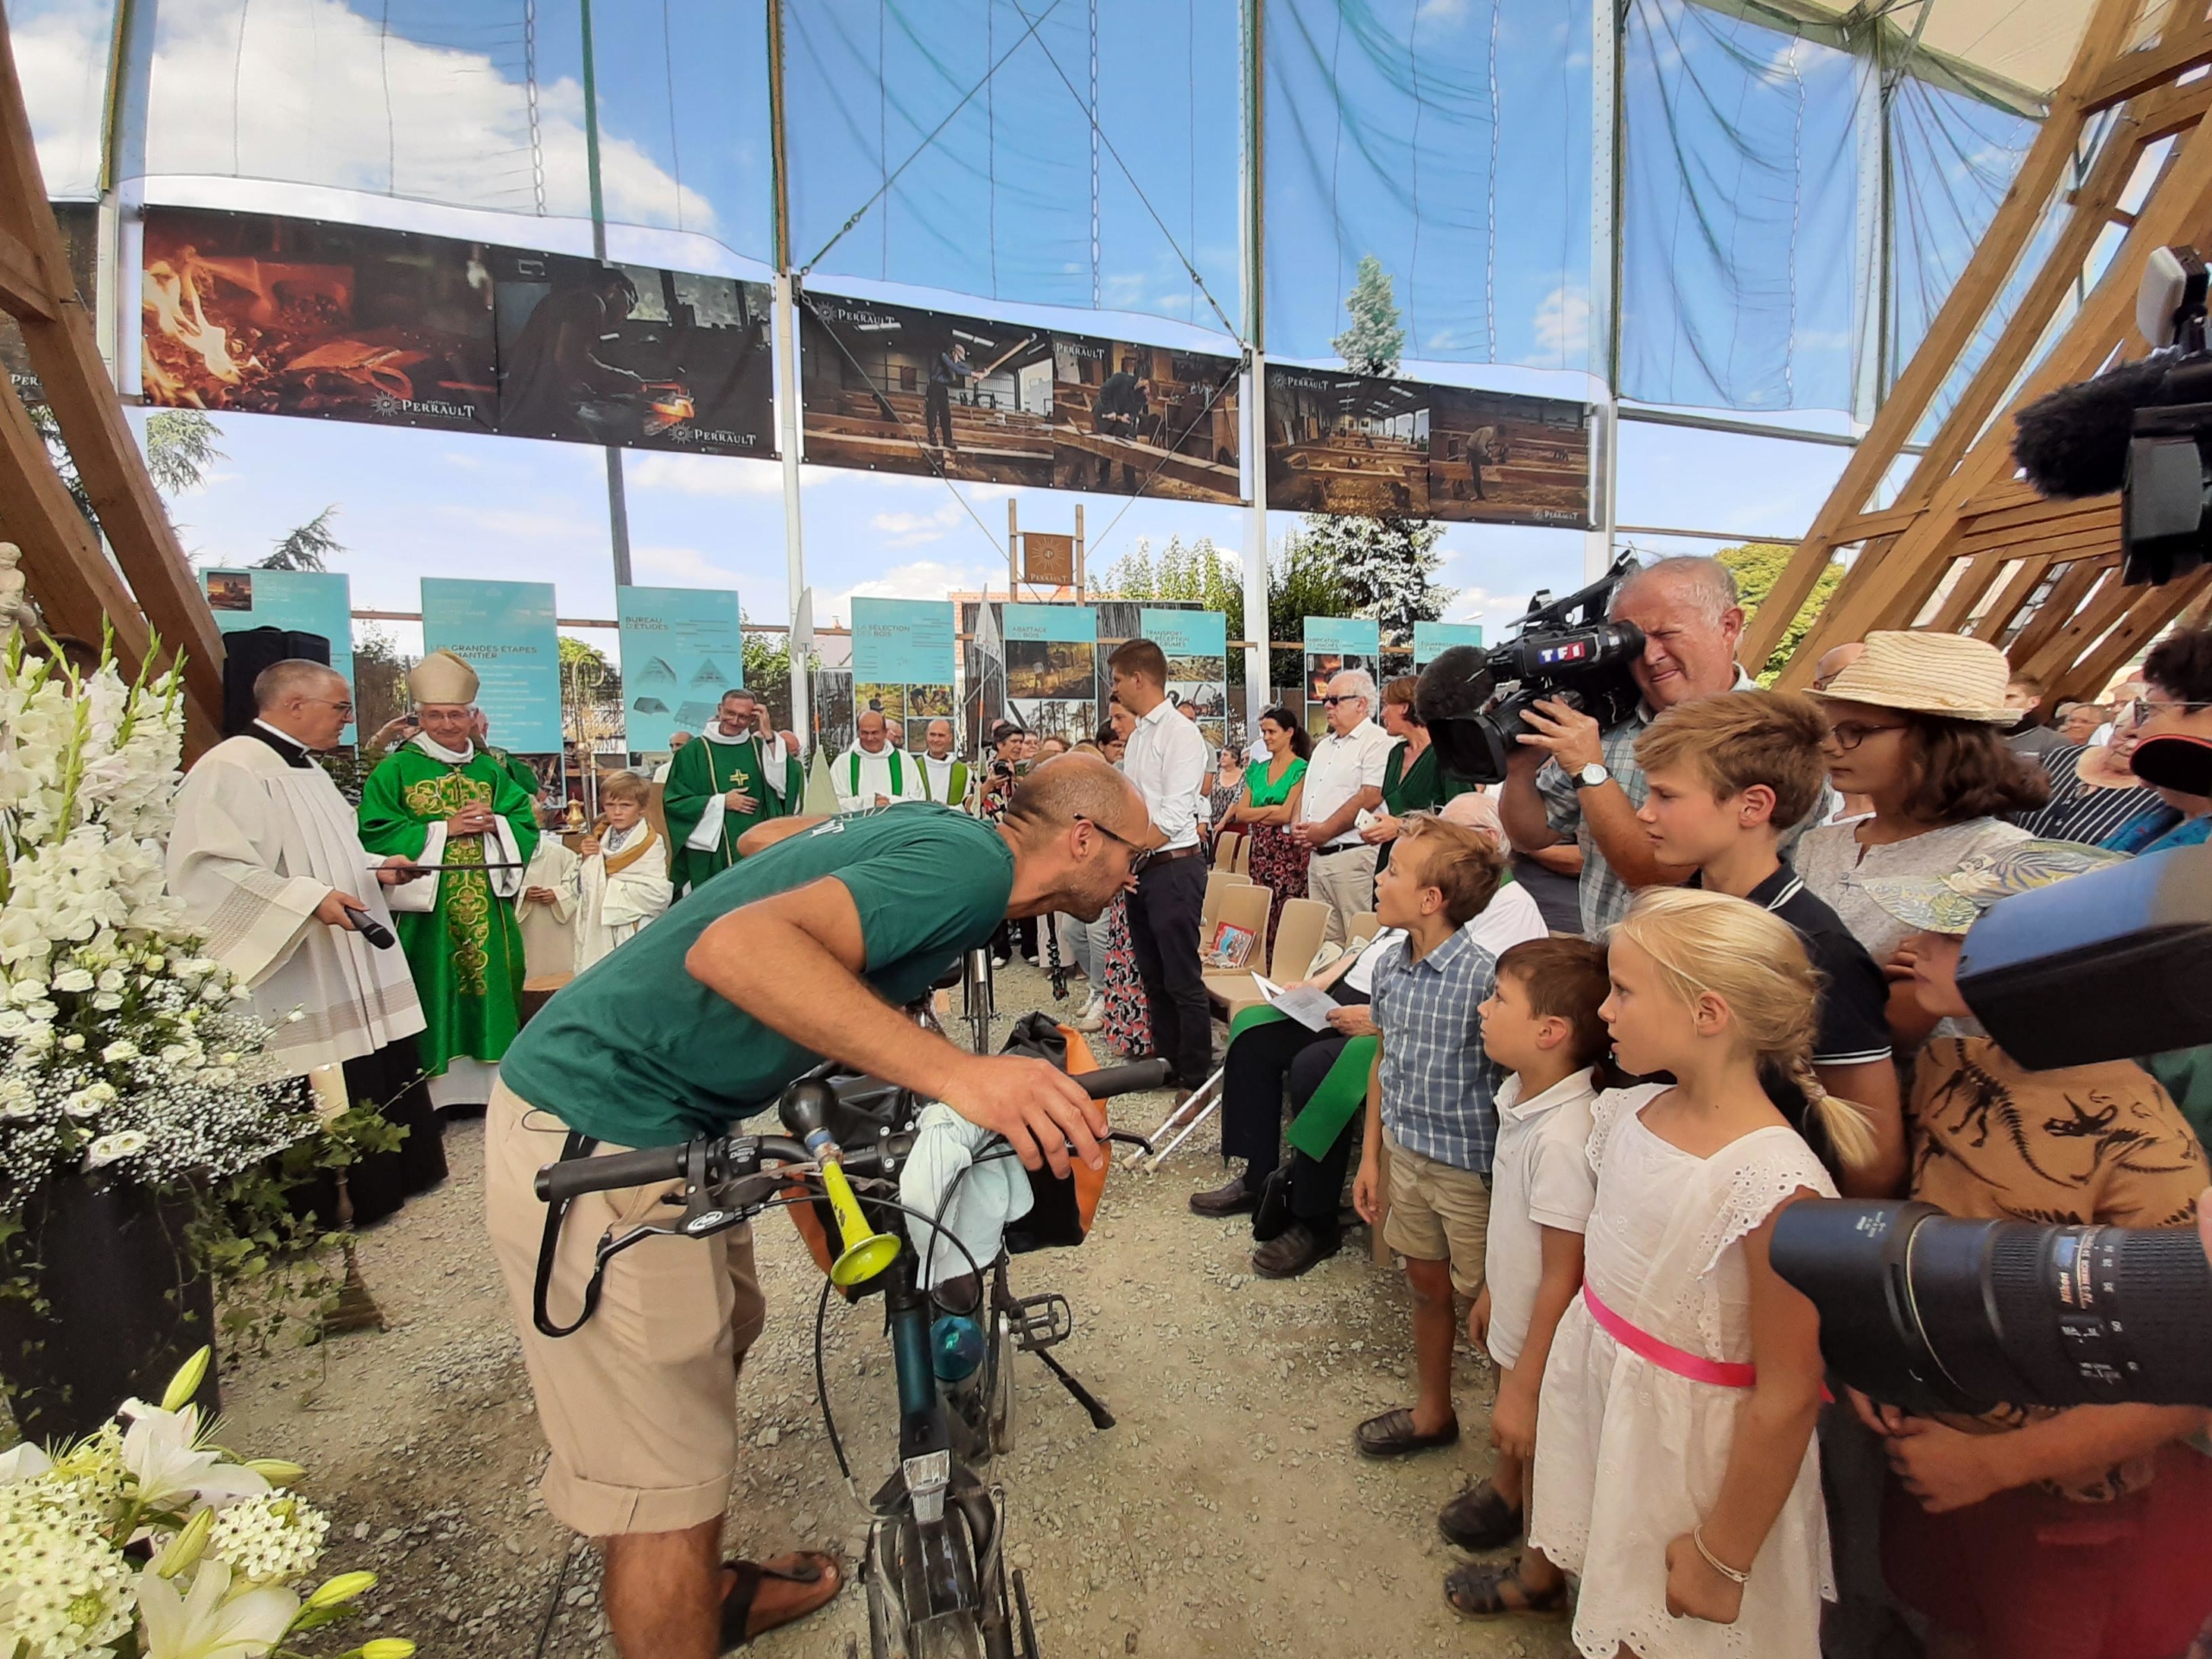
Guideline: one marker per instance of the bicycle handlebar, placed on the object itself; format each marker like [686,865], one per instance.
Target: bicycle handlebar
[738,1156]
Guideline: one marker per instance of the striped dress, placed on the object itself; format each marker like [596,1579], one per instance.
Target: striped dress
[2096,816]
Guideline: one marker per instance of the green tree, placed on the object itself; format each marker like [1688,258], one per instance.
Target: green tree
[1374,343]
[180,448]
[1200,574]
[1303,581]
[379,680]
[1384,567]
[311,547]
[1757,567]
[768,671]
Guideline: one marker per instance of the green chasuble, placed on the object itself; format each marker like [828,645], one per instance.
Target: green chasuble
[520,770]
[956,782]
[704,770]
[1421,787]
[466,954]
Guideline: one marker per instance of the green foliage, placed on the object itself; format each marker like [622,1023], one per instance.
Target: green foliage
[1759,566]
[1374,343]
[311,547]
[768,671]
[1383,567]
[379,681]
[1200,574]
[1303,581]
[181,447]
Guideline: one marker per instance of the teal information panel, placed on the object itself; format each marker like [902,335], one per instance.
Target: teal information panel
[1197,646]
[1343,636]
[1060,624]
[504,630]
[903,641]
[682,648]
[303,602]
[1187,633]
[1431,637]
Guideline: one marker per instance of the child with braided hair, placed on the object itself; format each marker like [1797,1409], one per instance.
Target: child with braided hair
[1676,1473]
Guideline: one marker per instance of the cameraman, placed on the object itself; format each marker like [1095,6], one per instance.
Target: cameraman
[697,1023]
[1571,781]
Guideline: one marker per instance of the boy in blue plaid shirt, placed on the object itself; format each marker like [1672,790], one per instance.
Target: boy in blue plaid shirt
[1437,1113]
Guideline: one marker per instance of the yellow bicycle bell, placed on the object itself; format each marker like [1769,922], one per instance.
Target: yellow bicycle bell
[866,1254]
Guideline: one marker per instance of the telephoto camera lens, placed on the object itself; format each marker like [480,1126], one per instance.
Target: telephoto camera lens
[1922,1310]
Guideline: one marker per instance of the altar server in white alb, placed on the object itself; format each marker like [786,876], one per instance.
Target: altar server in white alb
[547,908]
[267,861]
[624,874]
[872,773]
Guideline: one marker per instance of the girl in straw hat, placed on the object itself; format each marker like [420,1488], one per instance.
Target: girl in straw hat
[1915,725]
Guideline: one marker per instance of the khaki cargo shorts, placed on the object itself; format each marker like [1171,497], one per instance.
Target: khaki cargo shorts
[1438,1212]
[639,1406]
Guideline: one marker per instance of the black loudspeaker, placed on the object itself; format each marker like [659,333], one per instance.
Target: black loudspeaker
[2108,966]
[246,652]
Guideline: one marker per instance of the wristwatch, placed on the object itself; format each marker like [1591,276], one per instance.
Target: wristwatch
[1591,775]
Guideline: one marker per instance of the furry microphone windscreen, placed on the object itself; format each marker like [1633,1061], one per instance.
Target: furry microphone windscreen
[2072,442]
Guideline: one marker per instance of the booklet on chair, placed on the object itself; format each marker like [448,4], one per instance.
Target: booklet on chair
[1228,949]
[1310,1007]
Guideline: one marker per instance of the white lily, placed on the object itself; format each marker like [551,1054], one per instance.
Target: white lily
[210,1623]
[22,1462]
[162,1451]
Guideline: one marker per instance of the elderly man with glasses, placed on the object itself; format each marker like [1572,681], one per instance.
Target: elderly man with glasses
[266,858]
[1343,778]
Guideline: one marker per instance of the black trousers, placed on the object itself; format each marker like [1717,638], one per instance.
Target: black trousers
[1164,934]
[389,1079]
[937,413]
[1267,1064]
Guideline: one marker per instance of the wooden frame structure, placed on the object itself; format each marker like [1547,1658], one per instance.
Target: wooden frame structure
[1967,546]
[153,591]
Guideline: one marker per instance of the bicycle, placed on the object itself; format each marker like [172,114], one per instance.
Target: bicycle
[937,1588]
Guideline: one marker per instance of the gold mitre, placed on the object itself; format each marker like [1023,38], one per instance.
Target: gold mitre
[441,678]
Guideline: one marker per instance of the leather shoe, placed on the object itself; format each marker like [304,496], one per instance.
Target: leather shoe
[1234,1199]
[1297,1249]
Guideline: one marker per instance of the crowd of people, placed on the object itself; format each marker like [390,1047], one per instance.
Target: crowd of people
[1593,1029]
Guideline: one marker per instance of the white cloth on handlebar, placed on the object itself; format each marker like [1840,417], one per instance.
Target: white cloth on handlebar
[989,1195]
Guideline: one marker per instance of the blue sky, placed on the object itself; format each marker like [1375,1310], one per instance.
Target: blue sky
[1449,137]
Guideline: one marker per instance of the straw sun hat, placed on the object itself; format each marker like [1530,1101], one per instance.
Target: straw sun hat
[1944,674]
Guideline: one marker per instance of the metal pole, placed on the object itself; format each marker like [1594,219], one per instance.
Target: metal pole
[117,281]
[1078,553]
[787,381]
[1255,389]
[617,500]
[1607,98]
[1013,541]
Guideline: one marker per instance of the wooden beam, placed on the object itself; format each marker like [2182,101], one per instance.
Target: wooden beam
[64,354]
[2065,597]
[2105,604]
[2182,46]
[2154,608]
[22,285]
[1991,623]
[2011,228]
[1975,578]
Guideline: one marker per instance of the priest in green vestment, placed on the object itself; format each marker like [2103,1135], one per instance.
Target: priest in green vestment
[944,779]
[740,773]
[441,800]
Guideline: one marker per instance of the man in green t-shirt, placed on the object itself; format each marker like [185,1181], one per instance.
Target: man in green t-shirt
[809,949]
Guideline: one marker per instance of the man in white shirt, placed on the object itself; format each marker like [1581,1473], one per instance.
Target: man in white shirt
[872,773]
[1342,779]
[1167,758]
[945,778]
[675,743]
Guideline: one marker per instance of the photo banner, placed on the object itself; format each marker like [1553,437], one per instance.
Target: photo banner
[1052,669]
[1432,638]
[301,601]
[631,355]
[895,388]
[291,316]
[682,648]
[504,630]
[1197,644]
[1334,643]
[1359,444]
[79,223]
[903,656]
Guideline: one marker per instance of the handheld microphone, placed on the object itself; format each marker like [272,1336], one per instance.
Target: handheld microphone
[370,929]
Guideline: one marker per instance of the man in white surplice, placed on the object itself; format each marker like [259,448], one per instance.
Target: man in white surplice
[266,859]
[872,773]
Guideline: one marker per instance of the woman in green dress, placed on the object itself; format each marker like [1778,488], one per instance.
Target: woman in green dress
[1413,778]
[1268,806]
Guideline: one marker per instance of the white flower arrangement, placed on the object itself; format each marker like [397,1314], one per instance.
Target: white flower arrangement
[152,1542]
[121,1048]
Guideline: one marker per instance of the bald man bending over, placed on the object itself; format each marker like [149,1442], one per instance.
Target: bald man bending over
[690,1028]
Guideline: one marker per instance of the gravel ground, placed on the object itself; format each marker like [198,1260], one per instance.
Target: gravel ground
[1226,1515]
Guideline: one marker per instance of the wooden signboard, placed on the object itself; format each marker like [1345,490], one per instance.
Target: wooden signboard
[1047,559]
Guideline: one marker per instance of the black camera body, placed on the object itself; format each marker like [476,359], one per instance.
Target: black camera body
[1566,649]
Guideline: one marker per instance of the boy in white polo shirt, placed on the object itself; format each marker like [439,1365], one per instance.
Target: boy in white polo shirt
[1540,1023]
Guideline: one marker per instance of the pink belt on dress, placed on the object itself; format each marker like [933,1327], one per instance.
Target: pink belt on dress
[1722,1373]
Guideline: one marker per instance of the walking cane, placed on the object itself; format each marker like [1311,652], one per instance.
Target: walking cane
[1201,1104]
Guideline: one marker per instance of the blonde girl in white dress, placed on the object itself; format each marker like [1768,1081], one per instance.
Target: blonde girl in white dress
[1675,1473]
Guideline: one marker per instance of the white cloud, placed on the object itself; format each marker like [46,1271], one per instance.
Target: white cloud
[686,566]
[1563,322]
[912,529]
[527,525]
[705,475]
[62,58]
[310,90]
[923,579]
[1495,611]
[1441,11]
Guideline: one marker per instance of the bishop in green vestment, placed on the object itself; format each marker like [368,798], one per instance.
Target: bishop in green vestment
[740,773]
[440,800]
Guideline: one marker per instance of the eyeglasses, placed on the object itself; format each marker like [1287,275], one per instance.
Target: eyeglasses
[2139,710]
[1331,702]
[1138,856]
[345,709]
[1848,734]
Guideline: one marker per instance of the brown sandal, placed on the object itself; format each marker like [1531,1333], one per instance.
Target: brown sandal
[810,1567]
[1481,1591]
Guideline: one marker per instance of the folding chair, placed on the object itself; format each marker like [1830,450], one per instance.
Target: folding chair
[1240,904]
[1217,882]
[1298,933]
[1362,927]
[1225,846]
